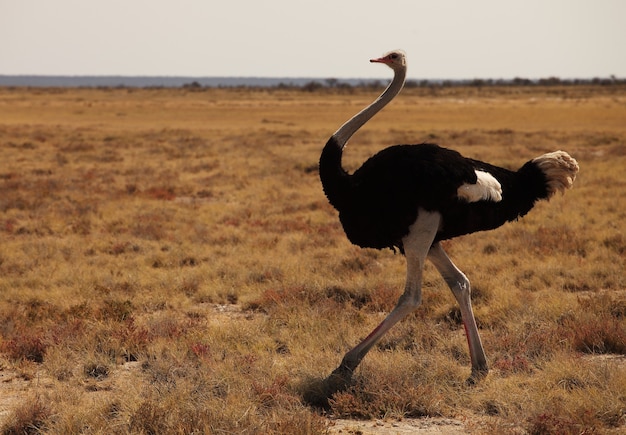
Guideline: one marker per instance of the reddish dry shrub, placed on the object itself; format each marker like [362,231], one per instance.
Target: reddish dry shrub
[367,403]
[274,394]
[69,330]
[201,351]
[383,298]
[168,327]
[602,334]
[160,192]
[513,364]
[133,340]
[8,225]
[599,327]
[25,346]
[519,349]
[548,423]
[346,404]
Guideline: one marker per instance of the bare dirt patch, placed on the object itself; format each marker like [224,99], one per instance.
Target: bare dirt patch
[429,425]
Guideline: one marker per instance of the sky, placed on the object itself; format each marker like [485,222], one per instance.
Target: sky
[444,39]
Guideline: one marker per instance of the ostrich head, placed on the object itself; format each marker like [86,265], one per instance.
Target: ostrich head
[395,59]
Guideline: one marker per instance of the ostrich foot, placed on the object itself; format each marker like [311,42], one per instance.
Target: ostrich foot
[339,380]
[318,393]
[476,377]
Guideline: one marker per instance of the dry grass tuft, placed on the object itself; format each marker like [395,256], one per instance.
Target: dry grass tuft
[30,417]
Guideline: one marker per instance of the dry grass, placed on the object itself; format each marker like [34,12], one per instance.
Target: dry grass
[169,264]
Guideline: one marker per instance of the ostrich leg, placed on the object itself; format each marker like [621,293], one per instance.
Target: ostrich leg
[416,247]
[460,286]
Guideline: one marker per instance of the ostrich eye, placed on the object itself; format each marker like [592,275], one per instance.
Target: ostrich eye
[394,55]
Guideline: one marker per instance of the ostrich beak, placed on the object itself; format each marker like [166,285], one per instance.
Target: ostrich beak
[380,60]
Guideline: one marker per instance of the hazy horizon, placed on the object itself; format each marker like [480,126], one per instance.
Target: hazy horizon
[184,81]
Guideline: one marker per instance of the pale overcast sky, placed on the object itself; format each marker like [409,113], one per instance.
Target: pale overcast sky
[325,38]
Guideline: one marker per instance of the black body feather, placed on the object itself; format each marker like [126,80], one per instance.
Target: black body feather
[380,201]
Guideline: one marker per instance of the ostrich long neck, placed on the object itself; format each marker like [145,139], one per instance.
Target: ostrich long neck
[335,179]
[345,132]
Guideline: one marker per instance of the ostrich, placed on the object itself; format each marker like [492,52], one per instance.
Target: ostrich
[411,197]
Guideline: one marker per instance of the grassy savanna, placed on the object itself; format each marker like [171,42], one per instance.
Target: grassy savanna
[169,264]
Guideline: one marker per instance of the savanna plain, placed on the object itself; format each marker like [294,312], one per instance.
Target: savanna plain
[169,265]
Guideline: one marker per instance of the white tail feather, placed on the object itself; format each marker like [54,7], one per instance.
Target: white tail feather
[560,170]
[487,188]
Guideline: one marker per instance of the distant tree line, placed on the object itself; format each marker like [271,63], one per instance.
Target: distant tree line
[348,85]
[517,81]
